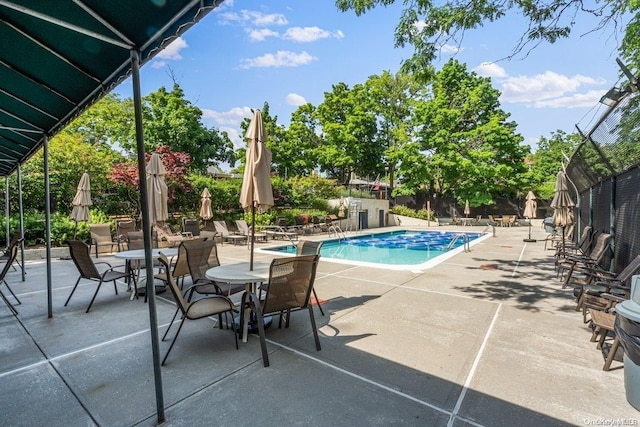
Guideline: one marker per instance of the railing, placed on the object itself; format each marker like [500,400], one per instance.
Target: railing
[338,231]
[465,238]
[492,227]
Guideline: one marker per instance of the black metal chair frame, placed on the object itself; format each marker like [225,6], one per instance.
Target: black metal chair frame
[13,252]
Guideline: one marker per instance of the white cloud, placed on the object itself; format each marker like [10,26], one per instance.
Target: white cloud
[258,35]
[449,48]
[527,89]
[576,100]
[173,50]
[229,121]
[253,18]
[158,64]
[490,69]
[309,34]
[282,58]
[295,99]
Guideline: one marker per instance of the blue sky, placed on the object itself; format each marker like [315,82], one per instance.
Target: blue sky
[290,52]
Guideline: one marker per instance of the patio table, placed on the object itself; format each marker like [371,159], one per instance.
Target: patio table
[139,255]
[239,273]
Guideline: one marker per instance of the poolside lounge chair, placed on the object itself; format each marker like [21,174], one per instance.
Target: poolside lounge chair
[290,284]
[225,235]
[101,237]
[167,238]
[81,257]
[193,310]
[245,230]
[581,264]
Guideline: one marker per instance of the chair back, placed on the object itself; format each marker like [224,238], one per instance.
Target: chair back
[136,240]
[308,247]
[180,268]
[290,283]
[221,227]
[101,233]
[173,286]
[585,239]
[11,253]
[243,227]
[201,256]
[191,225]
[629,271]
[79,252]
[123,228]
[601,248]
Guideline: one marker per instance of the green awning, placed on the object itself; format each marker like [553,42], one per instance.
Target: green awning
[59,57]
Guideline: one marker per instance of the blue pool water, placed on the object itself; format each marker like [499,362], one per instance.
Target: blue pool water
[397,248]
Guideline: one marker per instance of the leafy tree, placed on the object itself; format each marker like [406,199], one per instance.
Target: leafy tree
[170,119]
[548,158]
[349,133]
[472,150]
[298,149]
[428,25]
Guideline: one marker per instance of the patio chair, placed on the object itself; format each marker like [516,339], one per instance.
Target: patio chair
[290,284]
[81,257]
[201,256]
[101,237]
[308,247]
[602,322]
[16,238]
[123,228]
[245,230]
[191,226]
[580,264]
[193,310]
[12,253]
[179,268]
[225,235]
[492,221]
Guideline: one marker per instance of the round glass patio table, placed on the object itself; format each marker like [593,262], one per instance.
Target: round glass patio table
[240,273]
[139,255]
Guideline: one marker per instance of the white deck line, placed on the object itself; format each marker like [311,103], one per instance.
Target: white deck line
[472,371]
[515,269]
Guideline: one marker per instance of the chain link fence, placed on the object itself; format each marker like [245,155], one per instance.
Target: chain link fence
[605,169]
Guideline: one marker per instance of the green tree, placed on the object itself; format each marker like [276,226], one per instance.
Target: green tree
[548,158]
[349,133]
[427,25]
[473,152]
[298,149]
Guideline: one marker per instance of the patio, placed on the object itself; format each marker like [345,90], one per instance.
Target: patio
[486,338]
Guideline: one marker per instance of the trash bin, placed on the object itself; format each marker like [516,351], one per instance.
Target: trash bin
[627,328]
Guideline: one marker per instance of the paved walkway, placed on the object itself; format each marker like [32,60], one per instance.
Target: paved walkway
[487,338]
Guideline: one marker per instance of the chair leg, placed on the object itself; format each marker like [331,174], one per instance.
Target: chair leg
[315,329]
[12,308]
[94,296]
[72,291]
[11,290]
[173,342]
[170,323]
[612,353]
[263,341]
[317,301]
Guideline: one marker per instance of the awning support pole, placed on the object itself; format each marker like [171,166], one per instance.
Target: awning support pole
[47,223]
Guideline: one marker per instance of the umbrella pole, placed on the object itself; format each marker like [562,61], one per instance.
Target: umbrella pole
[253,231]
[529,239]
[75,230]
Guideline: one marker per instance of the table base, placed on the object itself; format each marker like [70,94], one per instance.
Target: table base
[253,324]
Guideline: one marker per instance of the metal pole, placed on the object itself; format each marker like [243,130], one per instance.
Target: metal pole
[21,210]
[6,210]
[47,224]
[146,227]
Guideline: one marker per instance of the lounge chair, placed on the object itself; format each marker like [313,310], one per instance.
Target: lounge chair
[81,257]
[101,237]
[199,309]
[191,226]
[245,230]
[225,235]
[167,238]
[281,231]
[581,264]
[290,284]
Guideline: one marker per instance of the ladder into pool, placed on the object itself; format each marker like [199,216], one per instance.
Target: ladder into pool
[339,233]
[465,239]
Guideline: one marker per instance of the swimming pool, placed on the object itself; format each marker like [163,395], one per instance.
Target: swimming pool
[397,250]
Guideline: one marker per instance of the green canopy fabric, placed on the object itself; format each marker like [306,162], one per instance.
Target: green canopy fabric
[59,57]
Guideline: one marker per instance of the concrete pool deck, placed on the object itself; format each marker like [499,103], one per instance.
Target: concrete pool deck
[486,338]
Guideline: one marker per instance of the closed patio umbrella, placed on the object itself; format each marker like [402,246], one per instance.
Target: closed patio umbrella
[562,204]
[256,192]
[530,208]
[467,209]
[205,205]
[81,202]
[156,190]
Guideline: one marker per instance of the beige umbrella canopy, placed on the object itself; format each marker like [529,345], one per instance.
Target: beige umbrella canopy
[467,209]
[82,200]
[256,192]
[205,205]
[530,206]
[562,204]
[156,190]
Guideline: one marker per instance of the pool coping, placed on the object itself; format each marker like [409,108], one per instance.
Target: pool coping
[417,268]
